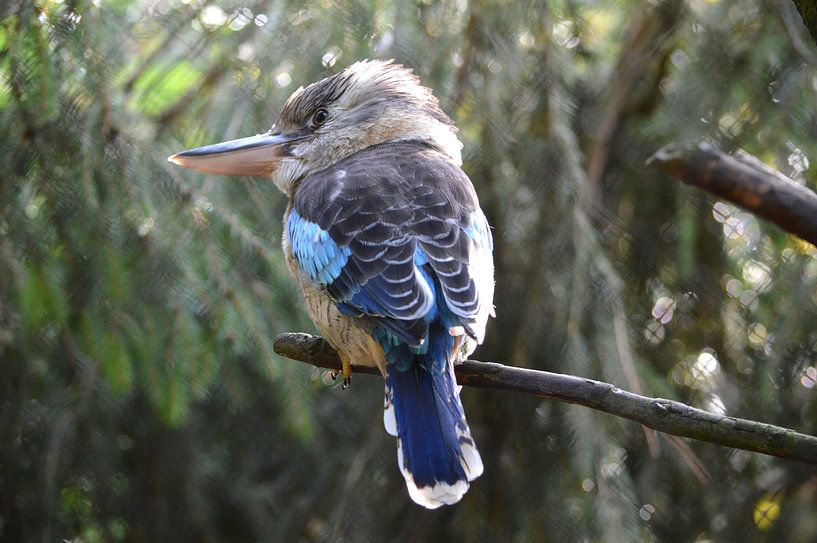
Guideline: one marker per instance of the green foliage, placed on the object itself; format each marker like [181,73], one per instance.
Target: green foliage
[41,302]
[140,399]
[159,87]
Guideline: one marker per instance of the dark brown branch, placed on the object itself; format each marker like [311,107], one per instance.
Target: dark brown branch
[666,416]
[745,181]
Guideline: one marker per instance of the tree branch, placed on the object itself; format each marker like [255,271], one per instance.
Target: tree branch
[746,181]
[666,416]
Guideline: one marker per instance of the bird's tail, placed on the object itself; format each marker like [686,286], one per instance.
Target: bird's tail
[435,451]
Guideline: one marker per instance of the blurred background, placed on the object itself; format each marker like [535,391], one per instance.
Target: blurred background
[140,399]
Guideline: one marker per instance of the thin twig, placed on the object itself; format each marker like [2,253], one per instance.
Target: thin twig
[639,67]
[808,11]
[666,416]
[793,24]
[745,181]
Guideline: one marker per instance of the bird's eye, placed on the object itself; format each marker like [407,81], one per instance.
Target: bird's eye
[320,117]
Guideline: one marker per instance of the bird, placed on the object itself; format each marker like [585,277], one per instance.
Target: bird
[392,253]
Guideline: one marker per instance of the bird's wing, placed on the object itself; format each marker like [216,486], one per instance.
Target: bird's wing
[391,229]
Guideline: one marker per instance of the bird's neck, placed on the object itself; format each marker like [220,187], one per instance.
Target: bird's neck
[393,125]
[310,159]
[438,135]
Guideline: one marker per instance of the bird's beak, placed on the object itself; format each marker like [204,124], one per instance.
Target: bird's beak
[256,156]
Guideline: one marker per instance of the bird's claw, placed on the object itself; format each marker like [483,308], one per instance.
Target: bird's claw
[344,384]
[345,371]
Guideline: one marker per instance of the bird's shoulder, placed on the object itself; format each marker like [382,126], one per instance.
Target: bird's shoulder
[394,180]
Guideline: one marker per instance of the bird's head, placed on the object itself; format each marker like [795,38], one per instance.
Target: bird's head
[369,103]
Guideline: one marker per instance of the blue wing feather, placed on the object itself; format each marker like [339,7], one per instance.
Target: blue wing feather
[328,263]
[479,231]
[314,250]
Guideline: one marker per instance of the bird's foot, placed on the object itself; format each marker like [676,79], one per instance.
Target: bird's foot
[345,372]
[346,380]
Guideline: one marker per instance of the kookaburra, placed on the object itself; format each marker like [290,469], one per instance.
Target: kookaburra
[386,239]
